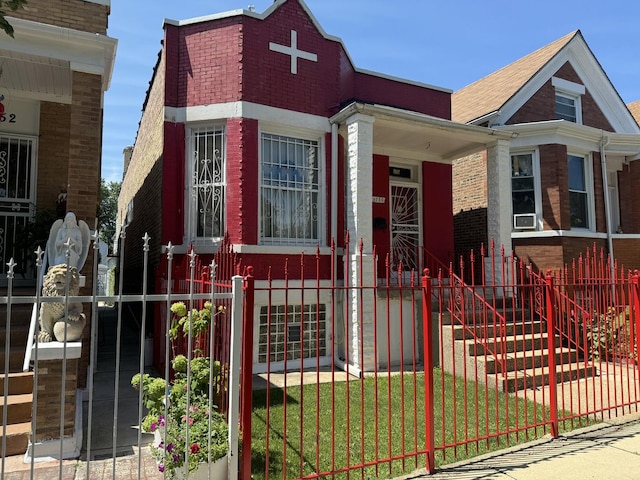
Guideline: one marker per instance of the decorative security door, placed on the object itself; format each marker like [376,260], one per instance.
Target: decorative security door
[17,200]
[405,228]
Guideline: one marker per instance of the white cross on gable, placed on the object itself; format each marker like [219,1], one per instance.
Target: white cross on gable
[293,52]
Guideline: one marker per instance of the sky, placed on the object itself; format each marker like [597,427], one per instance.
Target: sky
[445,43]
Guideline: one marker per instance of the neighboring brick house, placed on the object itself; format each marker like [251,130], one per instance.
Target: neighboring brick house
[565,179]
[259,126]
[54,74]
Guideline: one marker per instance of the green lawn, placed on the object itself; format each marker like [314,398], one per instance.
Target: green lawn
[340,424]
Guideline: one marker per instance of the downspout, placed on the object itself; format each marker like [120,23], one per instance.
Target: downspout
[334,181]
[607,204]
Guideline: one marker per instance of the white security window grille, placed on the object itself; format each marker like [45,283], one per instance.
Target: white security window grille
[292,332]
[523,198]
[17,197]
[578,192]
[289,190]
[208,182]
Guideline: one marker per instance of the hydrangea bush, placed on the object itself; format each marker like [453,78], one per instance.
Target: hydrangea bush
[189,425]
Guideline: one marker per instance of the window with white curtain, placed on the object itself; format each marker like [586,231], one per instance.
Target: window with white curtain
[289,190]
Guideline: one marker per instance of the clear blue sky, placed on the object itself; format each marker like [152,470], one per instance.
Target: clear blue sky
[448,43]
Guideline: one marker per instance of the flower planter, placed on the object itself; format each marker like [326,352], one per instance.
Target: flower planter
[218,471]
[218,468]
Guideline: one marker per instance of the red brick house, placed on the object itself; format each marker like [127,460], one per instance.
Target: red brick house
[564,180]
[260,127]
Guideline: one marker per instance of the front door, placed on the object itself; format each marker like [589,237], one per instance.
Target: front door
[17,200]
[405,228]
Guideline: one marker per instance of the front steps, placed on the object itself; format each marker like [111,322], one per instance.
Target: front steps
[18,405]
[513,358]
[20,384]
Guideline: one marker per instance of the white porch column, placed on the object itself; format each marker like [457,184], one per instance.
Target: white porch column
[359,325]
[499,220]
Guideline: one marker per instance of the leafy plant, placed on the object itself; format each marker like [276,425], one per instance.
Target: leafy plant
[190,424]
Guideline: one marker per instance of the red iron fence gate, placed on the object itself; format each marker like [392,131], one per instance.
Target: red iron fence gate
[372,377]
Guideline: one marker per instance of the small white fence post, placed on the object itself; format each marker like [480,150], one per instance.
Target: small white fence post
[234,375]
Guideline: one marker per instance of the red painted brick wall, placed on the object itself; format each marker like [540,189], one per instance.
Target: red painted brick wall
[242,181]
[229,59]
[380,211]
[436,210]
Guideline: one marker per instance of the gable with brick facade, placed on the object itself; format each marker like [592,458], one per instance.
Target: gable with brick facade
[562,181]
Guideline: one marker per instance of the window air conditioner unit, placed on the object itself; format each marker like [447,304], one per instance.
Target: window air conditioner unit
[524,221]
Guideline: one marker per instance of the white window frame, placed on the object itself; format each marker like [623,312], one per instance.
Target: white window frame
[571,91]
[192,189]
[307,136]
[537,189]
[588,180]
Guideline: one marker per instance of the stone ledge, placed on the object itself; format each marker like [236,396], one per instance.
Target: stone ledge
[56,350]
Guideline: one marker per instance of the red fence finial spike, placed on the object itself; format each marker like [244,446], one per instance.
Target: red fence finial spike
[482,250]
[361,245]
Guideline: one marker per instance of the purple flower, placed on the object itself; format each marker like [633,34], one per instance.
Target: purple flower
[176,457]
[161,467]
[170,447]
[154,426]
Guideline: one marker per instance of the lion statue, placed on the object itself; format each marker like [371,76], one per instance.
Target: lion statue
[52,321]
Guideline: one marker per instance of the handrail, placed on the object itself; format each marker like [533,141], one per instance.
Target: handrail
[538,280]
[482,305]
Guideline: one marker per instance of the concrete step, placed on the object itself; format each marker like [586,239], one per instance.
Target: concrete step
[511,328]
[522,360]
[539,377]
[18,408]
[508,344]
[19,383]
[17,438]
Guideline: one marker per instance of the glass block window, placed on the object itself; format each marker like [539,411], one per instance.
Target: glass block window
[289,190]
[208,182]
[295,332]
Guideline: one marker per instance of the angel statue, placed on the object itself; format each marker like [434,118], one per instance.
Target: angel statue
[72,234]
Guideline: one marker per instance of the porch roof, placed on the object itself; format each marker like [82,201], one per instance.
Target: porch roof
[411,135]
[38,62]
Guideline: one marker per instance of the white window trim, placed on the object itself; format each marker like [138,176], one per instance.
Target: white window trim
[537,185]
[303,134]
[571,90]
[588,180]
[190,215]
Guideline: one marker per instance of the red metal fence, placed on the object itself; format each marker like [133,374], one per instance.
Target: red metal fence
[367,377]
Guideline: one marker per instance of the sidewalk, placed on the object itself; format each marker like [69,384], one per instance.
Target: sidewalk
[609,450]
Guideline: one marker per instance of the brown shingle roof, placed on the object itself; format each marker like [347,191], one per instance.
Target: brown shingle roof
[490,93]
[634,108]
